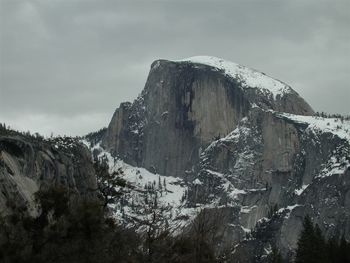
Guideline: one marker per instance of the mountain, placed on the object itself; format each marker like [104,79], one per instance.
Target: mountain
[29,163]
[205,136]
[185,105]
[238,140]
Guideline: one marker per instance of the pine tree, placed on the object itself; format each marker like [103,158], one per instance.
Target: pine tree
[344,254]
[312,246]
[159,183]
[155,204]
[305,243]
[319,246]
[332,249]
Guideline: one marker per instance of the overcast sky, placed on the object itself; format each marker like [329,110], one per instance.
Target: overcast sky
[66,65]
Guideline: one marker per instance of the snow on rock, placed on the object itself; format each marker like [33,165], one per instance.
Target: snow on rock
[246,230]
[250,78]
[64,143]
[248,209]
[197,182]
[172,188]
[227,186]
[336,126]
[237,134]
[337,165]
[288,209]
[133,209]
[301,190]
[145,189]
[339,160]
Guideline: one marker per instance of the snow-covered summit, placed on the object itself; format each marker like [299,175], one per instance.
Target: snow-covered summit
[249,77]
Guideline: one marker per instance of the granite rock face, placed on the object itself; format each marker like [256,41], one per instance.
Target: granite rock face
[276,169]
[28,164]
[217,137]
[244,143]
[183,107]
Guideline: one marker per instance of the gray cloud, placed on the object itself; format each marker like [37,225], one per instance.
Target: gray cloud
[66,65]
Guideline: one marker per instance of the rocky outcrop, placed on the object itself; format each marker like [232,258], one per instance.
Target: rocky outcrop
[244,145]
[185,105]
[28,164]
[281,166]
[242,142]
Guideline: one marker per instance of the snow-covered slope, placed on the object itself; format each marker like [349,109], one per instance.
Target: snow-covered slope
[249,77]
[336,126]
[144,190]
[171,189]
[339,160]
[242,145]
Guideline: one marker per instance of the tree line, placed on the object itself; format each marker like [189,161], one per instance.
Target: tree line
[72,228]
[68,229]
[334,115]
[313,247]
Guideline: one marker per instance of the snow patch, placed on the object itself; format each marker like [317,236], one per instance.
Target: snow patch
[248,209]
[227,186]
[289,209]
[301,190]
[197,182]
[320,124]
[337,165]
[144,189]
[246,230]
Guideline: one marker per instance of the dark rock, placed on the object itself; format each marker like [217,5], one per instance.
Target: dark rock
[27,165]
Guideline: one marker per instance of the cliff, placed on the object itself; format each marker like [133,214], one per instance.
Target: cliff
[275,168]
[205,137]
[185,105]
[29,163]
[232,138]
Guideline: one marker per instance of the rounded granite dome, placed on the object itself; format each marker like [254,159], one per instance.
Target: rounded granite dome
[259,89]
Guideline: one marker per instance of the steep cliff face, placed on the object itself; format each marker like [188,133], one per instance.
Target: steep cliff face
[28,163]
[296,164]
[185,105]
[213,136]
[239,141]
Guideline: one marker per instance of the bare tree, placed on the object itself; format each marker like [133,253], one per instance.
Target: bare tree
[205,229]
[155,228]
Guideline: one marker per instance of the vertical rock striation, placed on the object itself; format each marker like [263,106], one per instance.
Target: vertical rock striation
[28,164]
[243,142]
[184,106]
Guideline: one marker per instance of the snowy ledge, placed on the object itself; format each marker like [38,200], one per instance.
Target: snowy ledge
[321,124]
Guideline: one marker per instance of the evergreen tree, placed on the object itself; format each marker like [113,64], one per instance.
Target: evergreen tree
[319,246]
[306,243]
[313,248]
[159,183]
[332,249]
[344,254]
